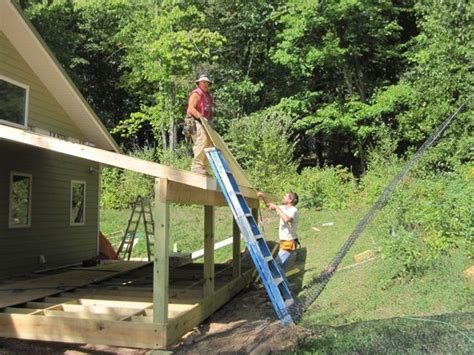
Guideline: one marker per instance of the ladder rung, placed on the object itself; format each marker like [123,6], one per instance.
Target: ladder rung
[268,258]
[278,280]
[289,302]
[258,236]
[248,215]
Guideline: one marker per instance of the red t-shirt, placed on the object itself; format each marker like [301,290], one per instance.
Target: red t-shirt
[204,105]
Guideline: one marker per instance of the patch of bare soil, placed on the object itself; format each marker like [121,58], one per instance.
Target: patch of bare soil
[247,325]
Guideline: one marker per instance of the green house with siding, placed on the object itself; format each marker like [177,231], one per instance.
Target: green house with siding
[49,202]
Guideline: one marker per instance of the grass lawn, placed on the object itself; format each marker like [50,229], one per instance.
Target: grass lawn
[361,310]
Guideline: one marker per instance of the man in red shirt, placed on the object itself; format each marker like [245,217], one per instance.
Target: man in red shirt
[200,108]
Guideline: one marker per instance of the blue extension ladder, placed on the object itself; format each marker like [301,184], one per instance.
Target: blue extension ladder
[270,273]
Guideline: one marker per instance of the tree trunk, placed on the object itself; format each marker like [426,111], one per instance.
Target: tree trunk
[360,81]
[361,156]
[348,79]
[173,136]
[164,144]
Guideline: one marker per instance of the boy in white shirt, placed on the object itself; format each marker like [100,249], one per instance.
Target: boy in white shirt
[287,231]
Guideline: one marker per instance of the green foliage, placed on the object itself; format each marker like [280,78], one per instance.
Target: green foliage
[120,188]
[165,44]
[81,34]
[328,187]
[261,143]
[428,218]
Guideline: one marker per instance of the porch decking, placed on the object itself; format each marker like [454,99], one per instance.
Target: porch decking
[113,304]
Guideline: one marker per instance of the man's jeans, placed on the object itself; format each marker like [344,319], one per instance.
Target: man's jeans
[281,260]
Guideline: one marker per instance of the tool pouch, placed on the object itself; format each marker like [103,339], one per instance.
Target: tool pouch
[289,245]
[189,127]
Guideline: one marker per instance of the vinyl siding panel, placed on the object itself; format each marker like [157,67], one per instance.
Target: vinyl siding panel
[50,233]
[43,111]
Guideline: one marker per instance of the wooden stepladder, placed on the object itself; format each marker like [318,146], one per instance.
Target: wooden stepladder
[270,272]
[141,210]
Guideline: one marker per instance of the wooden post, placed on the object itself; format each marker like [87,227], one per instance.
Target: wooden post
[161,254]
[208,251]
[255,214]
[236,258]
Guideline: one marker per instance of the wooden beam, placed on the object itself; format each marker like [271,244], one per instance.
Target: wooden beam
[74,330]
[208,287]
[186,194]
[161,254]
[114,159]
[236,257]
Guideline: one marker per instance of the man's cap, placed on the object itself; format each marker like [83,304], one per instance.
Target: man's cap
[203,77]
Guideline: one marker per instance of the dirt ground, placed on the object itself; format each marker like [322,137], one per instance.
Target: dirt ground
[247,325]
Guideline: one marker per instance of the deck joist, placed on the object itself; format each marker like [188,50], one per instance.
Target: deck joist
[116,309]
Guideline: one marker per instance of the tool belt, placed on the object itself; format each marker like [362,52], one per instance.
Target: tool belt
[189,127]
[289,245]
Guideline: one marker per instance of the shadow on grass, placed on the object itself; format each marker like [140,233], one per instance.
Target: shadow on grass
[442,334]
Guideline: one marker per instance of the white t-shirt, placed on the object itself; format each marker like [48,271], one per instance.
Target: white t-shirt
[287,231]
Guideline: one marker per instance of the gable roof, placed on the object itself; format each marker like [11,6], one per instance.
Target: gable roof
[27,41]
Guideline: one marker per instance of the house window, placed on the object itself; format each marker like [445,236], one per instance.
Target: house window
[20,200]
[78,203]
[13,102]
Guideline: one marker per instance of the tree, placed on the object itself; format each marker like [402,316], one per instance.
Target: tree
[81,34]
[165,45]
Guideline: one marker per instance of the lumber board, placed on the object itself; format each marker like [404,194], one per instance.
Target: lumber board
[44,286]
[80,315]
[20,310]
[161,253]
[186,194]
[114,266]
[208,274]
[76,330]
[116,160]
[236,254]
[234,166]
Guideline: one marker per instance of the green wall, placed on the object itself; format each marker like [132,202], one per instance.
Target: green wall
[43,111]
[50,233]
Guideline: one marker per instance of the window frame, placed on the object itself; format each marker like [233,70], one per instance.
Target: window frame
[30,200]
[27,102]
[71,223]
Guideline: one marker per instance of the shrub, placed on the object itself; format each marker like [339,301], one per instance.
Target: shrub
[428,218]
[329,187]
[120,187]
[260,143]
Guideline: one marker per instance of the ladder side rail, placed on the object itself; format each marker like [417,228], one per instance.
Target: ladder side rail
[243,208]
[134,234]
[144,213]
[135,228]
[126,236]
[148,223]
[269,270]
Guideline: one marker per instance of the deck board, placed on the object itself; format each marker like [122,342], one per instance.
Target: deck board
[14,293]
